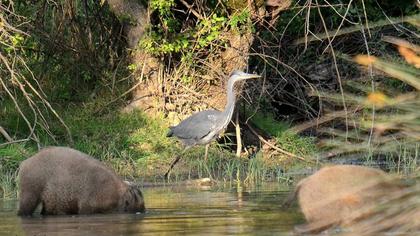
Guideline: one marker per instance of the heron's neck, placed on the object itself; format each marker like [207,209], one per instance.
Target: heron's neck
[230,105]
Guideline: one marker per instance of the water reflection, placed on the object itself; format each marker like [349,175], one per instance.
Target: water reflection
[172,210]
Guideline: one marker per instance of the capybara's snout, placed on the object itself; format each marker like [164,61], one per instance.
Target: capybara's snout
[133,200]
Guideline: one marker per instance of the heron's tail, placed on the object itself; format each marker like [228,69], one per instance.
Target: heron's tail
[170,132]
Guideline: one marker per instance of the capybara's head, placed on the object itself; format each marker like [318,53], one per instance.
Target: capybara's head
[132,200]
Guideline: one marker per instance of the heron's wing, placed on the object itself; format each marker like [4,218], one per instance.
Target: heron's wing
[196,126]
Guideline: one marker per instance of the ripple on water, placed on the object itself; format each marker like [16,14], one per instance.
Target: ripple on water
[171,211]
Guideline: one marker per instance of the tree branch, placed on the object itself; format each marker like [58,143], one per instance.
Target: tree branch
[5,134]
[274,146]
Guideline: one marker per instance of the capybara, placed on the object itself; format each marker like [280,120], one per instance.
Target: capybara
[67,181]
[335,193]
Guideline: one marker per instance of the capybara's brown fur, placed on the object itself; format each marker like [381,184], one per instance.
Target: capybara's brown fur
[334,193]
[67,181]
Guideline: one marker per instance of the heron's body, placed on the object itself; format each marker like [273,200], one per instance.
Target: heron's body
[192,133]
[203,127]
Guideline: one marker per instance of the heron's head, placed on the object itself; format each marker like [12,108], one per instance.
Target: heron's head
[238,75]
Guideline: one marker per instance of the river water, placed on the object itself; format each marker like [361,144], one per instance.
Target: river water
[179,210]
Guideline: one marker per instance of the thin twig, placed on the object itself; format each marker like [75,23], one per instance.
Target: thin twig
[194,12]
[45,102]
[5,135]
[366,19]
[341,23]
[326,118]
[352,29]
[15,141]
[275,147]
[335,65]
[5,62]
[128,91]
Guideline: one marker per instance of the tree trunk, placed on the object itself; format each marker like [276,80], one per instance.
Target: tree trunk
[136,18]
[151,94]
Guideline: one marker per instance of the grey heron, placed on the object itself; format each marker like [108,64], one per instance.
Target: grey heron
[203,127]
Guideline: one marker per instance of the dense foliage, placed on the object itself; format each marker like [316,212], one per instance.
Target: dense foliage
[66,70]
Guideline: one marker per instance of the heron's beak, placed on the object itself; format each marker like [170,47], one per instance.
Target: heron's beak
[249,76]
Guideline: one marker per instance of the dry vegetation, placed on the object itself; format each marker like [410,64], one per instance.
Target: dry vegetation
[303,50]
[17,80]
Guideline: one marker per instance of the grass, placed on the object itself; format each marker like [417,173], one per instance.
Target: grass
[303,146]
[137,148]
[288,140]
[124,142]
[405,162]
[10,158]
[8,184]
[226,167]
[386,129]
[12,155]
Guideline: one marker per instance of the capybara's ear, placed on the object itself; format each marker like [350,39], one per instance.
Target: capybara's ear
[132,200]
[130,183]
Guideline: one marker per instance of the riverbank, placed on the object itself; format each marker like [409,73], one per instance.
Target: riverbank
[136,147]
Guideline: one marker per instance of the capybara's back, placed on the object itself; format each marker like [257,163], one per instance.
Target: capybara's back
[334,193]
[67,181]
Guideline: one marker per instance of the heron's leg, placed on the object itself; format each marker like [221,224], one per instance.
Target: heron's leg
[206,152]
[177,158]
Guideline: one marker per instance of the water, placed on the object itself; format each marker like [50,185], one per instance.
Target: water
[172,211]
